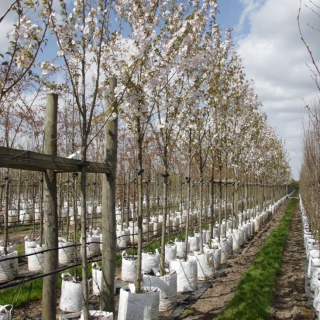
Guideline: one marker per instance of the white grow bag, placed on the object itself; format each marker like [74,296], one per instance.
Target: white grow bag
[8,268]
[6,312]
[216,258]
[121,238]
[36,260]
[156,227]
[225,250]
[71,294]
[150,260]
[97,280]
[316,297]
[204,236]
[93,245]
[98,315]
[167,285]
[257,224]
[128,267]
[30,244]
[205,265]
[93,315]
[66,253]
[187,275]
[170,252]
[237,241]
[71,316]
[194,243]
[139,306]
[314,261]
[181,248]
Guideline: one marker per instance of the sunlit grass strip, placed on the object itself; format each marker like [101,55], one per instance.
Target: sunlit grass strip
[253,297]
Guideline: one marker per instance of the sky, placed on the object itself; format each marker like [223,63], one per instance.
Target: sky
[266,36]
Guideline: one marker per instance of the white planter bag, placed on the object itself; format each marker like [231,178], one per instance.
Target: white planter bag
[224,245]
[194,243]
[245,229]
[314,279]
[66,253]
[236,243]
[121,239]
[316,297]
[175,224]
[145,230]
[167,285]
[93,245]
[128,267]
[156,228]
[181,248]
[187,275]
[36,260]
[30,244]
[71,316]
[241,236]
[150,260]
[139,306]
[216,258]
[6,312]
[257,224]
[205,265]
[222,229]
[71,294]
[314,262]
[8,268]
[98,315]
[93,315]
[170,252]
[97,280]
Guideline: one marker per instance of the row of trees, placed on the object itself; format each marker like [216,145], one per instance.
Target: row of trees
[310,170]
[184,104]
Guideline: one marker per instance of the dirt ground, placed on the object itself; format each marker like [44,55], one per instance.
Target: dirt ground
[290,299]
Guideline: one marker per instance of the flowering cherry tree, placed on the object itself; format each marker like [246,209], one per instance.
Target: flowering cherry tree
[25,41]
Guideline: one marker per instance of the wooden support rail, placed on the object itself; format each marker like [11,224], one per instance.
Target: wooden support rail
[33,161]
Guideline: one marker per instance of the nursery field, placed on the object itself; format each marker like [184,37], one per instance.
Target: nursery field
[289,300]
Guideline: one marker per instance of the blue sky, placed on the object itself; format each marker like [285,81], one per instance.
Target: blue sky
[267,38]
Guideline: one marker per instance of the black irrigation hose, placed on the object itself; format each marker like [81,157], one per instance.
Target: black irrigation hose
[14,282]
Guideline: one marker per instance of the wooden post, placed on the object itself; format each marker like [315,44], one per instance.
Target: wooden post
[109,202]
[49,290]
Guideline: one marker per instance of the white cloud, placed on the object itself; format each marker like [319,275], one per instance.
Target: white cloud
[275,58]
[250,7]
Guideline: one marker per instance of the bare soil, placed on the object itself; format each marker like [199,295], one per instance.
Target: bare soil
[290,298]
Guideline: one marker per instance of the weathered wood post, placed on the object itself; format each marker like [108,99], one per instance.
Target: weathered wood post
[49,290]
[109,202]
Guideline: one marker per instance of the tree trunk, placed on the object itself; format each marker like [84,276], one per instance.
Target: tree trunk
[189,199]
[140,212]
[165,213]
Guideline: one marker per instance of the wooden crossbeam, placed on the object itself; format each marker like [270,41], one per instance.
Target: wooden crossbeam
[33,161]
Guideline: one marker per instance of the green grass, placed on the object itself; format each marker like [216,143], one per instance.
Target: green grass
[21,294]
[188,312]
[254,294]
